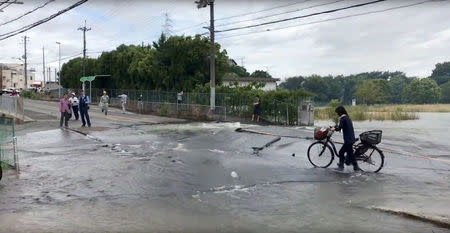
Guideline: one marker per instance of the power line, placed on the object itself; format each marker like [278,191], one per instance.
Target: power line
[30,26]
[302,16]
[282,13]
[27,13]
[332,19]
[9,4]
[268,9]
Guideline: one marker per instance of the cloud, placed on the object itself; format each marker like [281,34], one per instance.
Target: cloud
[412,39]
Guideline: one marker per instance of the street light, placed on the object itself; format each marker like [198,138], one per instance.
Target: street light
[59,69]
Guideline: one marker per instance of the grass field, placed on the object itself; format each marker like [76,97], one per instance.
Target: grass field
[382,112]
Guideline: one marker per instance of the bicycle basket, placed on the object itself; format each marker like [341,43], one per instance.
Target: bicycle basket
[372,137]
[320,133]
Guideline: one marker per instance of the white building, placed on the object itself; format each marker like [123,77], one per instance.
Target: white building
[270,83]
[12,76]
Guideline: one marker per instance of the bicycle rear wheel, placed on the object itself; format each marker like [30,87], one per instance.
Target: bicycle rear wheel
[320,154]
[372,160]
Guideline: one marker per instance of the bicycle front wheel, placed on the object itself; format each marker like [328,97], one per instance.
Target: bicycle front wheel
[320,154]
[371,160]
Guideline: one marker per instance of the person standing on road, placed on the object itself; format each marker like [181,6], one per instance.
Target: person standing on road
[84,107]
[73,100]
[123,100]
[256,109]
[140,104]
[64,109]
[104,103]
[346,125]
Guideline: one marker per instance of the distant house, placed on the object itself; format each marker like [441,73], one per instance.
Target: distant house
[270,83]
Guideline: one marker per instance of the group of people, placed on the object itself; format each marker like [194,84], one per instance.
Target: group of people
[73,105]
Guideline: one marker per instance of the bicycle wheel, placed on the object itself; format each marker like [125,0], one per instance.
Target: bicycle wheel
[371,160]
[320,154]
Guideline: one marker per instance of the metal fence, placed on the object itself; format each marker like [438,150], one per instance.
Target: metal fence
[228,105]
[8,143]
[12,106]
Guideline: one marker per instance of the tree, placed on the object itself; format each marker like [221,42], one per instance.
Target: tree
[445,92]
[292,83]
[422,91]
[441,73]
[398,84]
[173,63]
[373,91]
[260,74]
[239,71]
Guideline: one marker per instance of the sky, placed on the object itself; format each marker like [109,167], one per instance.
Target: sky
[411,39]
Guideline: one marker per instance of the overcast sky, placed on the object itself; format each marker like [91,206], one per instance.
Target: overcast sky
[411,39]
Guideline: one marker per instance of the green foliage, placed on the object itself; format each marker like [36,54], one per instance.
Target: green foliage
[260,74]
[292,83]
[373,91]
[173,63]
[422,91]
[164,109]
[238,71]
[397,84]
[445,92]
[441,73]
[30,95]
[275,104]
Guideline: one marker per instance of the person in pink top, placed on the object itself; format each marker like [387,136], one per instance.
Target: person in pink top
[64,109]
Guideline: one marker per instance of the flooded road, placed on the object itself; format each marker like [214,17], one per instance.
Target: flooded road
[203,177]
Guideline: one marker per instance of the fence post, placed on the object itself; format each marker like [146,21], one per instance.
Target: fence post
[287,114]
[16,157]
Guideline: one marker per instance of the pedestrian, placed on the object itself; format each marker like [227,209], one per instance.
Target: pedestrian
[256,109]
[84,108]
[140,104]
[64,109]
[73,100]
[104,103]
[346,125]
[15,94]
[123,100]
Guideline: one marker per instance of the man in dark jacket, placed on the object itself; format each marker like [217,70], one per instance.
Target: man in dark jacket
[84,107]
[346,125]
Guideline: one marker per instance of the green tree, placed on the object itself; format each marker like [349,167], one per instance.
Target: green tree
[445,92]
[239,71]
[422,91]
[398,84]
[72,71]
[441,73]
[260,74]
[292,83]
[373,91]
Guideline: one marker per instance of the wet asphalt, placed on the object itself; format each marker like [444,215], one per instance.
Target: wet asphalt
[133,176]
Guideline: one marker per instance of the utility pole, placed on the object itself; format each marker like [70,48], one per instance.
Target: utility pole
[59,67]
[43,65]
[212,53]
[84,29]
[49,74]
[25,38]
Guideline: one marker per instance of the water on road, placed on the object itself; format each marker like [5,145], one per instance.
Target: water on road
[203,177]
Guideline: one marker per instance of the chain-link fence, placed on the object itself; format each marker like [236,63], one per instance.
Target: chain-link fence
[8,143]
[228,105]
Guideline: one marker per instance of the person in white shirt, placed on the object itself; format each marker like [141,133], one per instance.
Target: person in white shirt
[123,100]
[73,101]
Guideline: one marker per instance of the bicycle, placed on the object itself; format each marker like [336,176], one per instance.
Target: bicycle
[370,158]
